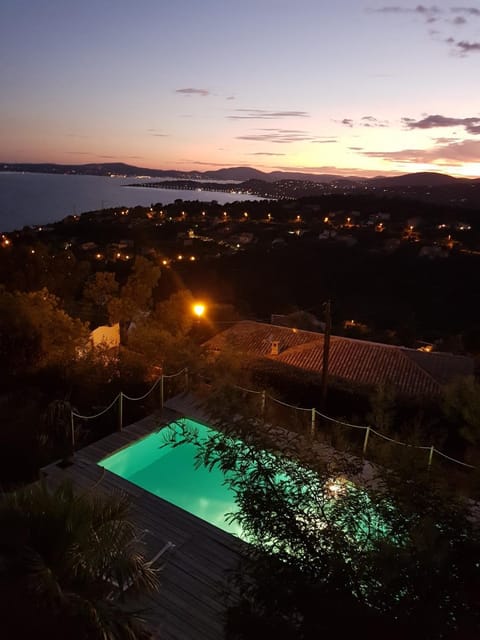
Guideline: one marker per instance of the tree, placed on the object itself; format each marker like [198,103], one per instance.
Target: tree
[101,288]
[382,401]
[163,337]
[37,333]
[58,429]
[175,314]
[461,403]
[331,551]
[59,555]
[19,340]
[136,295]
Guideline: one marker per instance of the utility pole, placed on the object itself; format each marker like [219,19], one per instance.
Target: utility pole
[327,309]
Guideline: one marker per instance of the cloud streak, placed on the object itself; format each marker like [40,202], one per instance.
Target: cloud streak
[190,91]
[471,125]
[471,11]
[266,153]
[467,47]
[369,122]
[420,9]
[454,153]
[263,114]
[456,16]
[283,136]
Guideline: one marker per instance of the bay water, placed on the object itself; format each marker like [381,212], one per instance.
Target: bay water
[30,199]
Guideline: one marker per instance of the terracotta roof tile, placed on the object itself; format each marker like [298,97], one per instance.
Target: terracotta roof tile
[368,363]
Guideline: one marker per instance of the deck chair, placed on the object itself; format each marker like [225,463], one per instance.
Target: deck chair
[159,559]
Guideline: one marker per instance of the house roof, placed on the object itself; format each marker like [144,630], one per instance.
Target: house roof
[411,372]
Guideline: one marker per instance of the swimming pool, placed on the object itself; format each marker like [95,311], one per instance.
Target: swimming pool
[155,464]
[169,472]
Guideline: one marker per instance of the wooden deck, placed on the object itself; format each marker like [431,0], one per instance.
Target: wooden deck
[191,601]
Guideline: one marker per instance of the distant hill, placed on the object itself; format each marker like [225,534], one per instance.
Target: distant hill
[100,169]
[422,179]
[237,174]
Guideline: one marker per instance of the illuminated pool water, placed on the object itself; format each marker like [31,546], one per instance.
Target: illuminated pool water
[169,473]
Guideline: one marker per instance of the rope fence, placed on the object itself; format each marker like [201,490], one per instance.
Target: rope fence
[145,395]
[304,419]
[120,397]
[97,415]
[312,426]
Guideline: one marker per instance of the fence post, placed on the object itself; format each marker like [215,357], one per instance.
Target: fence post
[161,391]
[365,442]
[72,433]
[186,378]
[120,411]
[262,403]
[430,457]
[312,425]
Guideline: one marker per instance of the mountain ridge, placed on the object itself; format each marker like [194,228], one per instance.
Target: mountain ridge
[240,174]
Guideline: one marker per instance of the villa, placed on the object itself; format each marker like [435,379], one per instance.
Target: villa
[411,372]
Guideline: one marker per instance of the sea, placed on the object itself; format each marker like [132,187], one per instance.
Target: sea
[31,199]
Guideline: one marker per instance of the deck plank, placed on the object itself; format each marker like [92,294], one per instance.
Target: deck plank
[190,603]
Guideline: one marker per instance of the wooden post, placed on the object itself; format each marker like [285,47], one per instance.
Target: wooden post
[120,411]
[365,442]
[262,403]
[72,433]
[186,378]
[312,425]
[430,457]
[161,392]
[326,351]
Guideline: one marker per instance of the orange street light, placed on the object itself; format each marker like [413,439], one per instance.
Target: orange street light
[198,309]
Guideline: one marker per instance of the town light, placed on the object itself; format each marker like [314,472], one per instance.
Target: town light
[198,309]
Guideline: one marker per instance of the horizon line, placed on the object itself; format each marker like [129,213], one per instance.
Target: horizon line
[331,171]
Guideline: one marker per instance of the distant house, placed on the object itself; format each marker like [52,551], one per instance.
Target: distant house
[433,251]
[106,336]
[88,246]
[412,373]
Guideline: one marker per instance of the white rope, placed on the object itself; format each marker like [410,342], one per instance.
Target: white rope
[77,415]
[96,415]
[247,390]
[345,424]
[172,375]
[404,444]
[464,464]
[356,426]
[285,404]
[145,394]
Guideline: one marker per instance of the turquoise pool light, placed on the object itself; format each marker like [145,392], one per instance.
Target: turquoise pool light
[169,473]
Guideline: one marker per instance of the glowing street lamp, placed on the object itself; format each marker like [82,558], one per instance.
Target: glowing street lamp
[198,309]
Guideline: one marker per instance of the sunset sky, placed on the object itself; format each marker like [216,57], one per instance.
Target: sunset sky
[347,87]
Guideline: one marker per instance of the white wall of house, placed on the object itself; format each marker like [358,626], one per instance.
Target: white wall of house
[106,336]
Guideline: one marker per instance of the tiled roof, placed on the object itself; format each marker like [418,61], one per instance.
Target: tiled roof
[367,363]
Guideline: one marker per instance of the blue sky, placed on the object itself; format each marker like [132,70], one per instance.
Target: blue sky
[346,87]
